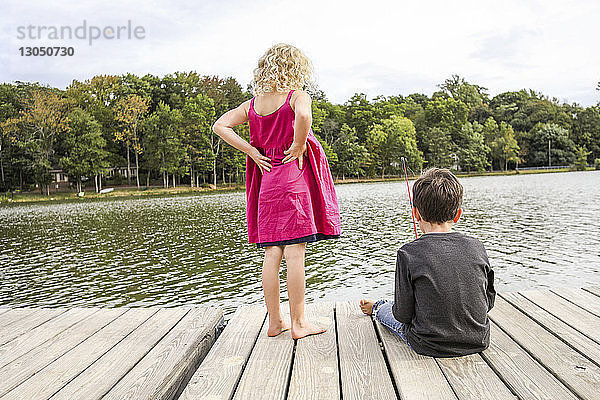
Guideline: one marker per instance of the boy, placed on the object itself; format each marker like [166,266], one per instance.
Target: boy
[444,283]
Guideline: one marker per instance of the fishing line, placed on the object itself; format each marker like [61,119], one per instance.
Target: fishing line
[411,171]
[409,197]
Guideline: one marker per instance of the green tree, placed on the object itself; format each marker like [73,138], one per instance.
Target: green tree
[133,84]
[198,115]
[586,130]
[15,162]
[581,155]
[391,140]
[232,161]
[165,148]
[447,114]
[130,112]
[359,115]
[550,145]
[9,108]
[327,119]
[471,150]
[440,129]
[318,116]
[85,148]
[226,94]
[502,143]
[471,95]
[352,156]
[384,107]
[505,108]
[505,145]
[98,96]
[332,157]
[490,132]
[35,130]
[440,148]
[449,127]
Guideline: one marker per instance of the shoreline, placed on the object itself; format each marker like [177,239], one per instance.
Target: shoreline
[156,192]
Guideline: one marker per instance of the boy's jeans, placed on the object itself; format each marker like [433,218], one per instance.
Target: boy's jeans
[382,310]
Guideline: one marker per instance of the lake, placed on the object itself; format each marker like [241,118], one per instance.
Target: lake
[540,231]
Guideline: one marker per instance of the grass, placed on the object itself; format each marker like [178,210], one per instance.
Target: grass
[125,193]
[118,193]
[461,175]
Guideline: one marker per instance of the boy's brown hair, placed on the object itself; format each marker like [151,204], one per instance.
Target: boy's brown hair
[437,194]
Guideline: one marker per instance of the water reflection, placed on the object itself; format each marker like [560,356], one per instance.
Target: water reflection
[540,231]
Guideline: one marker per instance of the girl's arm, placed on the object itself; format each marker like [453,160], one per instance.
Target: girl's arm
[302,123]
[224,128]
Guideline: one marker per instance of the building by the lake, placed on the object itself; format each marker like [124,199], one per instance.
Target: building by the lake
[62,182]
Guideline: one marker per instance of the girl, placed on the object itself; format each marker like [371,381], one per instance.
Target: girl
[289,189]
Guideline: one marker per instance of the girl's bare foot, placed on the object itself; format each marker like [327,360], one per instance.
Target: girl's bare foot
[366,306]
[300,330]
[276,328]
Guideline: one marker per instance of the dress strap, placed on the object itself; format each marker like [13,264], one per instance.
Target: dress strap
[289,96]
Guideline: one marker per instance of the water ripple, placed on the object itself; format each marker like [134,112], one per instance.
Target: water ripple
[540,231]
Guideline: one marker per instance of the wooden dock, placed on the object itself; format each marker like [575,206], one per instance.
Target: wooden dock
[102,353]
[544,345]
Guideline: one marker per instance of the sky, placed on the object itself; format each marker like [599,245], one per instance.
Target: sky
[377,47]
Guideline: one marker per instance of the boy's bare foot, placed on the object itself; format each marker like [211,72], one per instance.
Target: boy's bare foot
[306,329]
[276,329]
[366,306]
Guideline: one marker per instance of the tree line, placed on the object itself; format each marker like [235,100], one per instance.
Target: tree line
[161,128]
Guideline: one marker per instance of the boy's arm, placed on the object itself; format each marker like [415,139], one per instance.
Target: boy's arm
[491,291]
[224,128]
[404,302]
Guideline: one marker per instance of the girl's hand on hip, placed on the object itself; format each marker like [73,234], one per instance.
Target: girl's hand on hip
[296,151]
[263,162]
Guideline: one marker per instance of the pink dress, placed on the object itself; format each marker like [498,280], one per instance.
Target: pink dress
[288,205]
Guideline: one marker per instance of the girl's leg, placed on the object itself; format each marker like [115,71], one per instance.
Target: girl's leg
[296,285]
[270,281]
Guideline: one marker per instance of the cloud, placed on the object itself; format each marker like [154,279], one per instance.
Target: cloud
[506,47]
[384,47]
[372,79]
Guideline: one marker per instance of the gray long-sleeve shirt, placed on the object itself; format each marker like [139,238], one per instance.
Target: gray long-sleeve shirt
[444,289]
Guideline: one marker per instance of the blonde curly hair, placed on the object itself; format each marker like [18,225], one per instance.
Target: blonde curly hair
[283,67]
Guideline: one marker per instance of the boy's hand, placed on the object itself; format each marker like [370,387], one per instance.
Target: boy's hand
[296,151]
[263,162]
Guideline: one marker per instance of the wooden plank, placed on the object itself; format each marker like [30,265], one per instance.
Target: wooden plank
[523,375]
[595,290]
[585,322]
[31,320]
[570,335]
[38,335]
[27,365]
[220,371]
[417,377]
[267,371]
[55,375]
[576,372]
[363,370]
[315,371]
[10,315]
[580,297]
[103,374]
[472,378]
[162,373]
